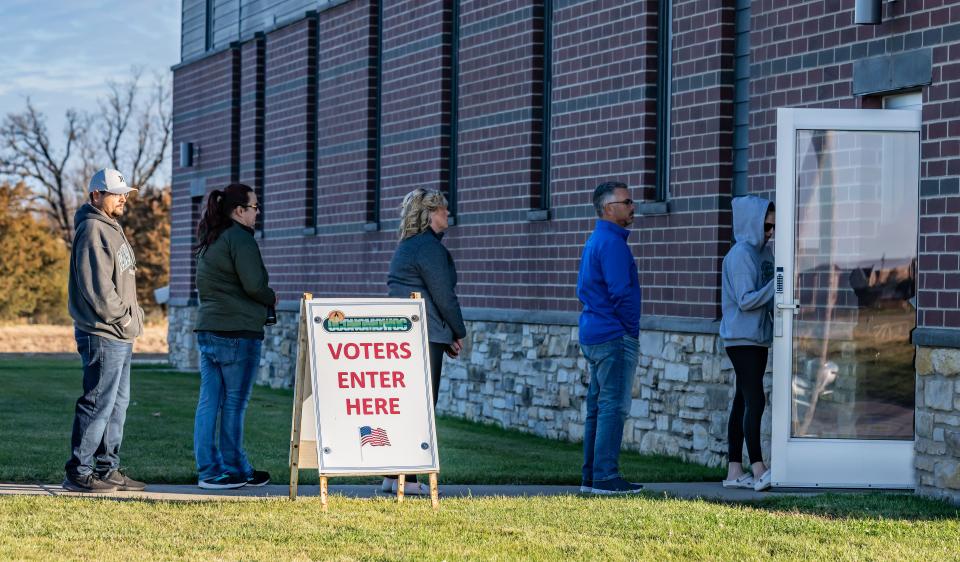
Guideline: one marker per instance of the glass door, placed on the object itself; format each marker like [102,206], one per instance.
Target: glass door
[846,256]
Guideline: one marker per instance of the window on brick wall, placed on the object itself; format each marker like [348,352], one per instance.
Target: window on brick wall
[453,80]
[664,105]
[741,97]
[892,191]
[540,196]
[376,77]
[196,210]
[208,29]
[909,100]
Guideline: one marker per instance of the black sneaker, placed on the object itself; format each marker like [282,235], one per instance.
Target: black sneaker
[225,481]
[616,486]
[259,478]
[123,482]
[87,483]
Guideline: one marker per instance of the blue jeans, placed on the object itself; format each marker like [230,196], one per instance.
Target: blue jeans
[612,368]
[102,409]
[228,367]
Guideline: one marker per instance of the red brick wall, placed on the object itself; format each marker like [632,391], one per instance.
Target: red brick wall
[346,112]
[682,250]
[252,118]
[604,68]
[500,106]
[204,105]
[416,108]
[802,56]
[603,128]
[290,129]
[341,258]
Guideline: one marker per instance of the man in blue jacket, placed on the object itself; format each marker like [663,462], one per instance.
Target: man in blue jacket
[609,288]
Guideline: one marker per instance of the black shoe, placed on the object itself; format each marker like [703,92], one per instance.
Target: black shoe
[123,482]
[87,483]
[259,478]
[225,481]
[616,486]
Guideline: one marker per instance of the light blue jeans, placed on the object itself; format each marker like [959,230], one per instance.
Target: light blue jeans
[102,409]
[612,367]
[228,367]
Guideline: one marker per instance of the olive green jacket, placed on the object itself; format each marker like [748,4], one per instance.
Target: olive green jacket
[232,283]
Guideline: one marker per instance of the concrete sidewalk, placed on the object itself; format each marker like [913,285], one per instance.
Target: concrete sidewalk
[178,492]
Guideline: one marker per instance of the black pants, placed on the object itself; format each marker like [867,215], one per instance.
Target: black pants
[436,365]
[749,363]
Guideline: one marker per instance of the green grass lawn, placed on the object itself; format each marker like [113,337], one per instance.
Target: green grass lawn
[862,527]
[36,413]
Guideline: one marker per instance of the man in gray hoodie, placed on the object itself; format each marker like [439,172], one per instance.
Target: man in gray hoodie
[103,303]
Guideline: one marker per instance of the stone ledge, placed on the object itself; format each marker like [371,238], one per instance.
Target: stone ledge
[936,337]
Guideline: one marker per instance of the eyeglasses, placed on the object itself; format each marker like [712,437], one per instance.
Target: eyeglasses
[768,226]
[627,202]
[254,206]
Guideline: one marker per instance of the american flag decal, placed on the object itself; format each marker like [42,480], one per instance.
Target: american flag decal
[373,436]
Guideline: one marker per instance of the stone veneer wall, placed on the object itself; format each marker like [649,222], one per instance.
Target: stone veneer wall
[532,377]
[937,457]
[277,361]
[181,341]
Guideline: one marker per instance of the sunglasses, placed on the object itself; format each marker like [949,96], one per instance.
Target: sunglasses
[768,226]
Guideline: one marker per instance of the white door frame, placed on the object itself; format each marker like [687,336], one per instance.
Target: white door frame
[805,462]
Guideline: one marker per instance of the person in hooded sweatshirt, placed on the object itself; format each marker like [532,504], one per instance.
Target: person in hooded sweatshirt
[102,299]
[747,331]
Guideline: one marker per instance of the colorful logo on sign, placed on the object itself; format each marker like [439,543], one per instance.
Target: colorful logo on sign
[338,322]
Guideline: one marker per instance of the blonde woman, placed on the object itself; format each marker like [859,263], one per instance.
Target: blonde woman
[422,264]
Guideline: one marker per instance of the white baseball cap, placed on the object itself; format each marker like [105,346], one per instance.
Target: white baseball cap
[110,181]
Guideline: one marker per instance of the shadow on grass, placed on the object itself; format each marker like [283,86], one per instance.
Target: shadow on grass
[873,505]
[856,506]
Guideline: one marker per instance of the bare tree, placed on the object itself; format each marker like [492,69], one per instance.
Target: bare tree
[134,126]
[27,154]
[130,133]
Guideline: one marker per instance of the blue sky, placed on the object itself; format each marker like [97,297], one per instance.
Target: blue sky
[61,52]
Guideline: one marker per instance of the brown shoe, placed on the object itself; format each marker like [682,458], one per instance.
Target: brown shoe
[123,482]
[88,483]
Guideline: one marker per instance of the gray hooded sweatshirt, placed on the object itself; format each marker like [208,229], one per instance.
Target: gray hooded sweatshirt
[747,296]
[103,285]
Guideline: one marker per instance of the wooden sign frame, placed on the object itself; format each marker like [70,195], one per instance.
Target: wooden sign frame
[303,432]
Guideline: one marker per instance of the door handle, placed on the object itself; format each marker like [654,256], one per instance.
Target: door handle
[793,307]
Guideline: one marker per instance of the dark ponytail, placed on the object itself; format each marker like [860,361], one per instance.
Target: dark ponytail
[216,213]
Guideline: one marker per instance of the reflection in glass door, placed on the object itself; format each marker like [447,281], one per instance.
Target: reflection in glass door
[855,255]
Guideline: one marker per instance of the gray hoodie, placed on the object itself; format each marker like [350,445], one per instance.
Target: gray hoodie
[103,284]
[747,296]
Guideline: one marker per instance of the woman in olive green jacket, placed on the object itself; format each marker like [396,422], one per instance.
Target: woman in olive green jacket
[234,302]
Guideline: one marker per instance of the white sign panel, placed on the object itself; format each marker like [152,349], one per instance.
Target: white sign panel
[371,377]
